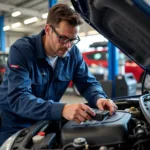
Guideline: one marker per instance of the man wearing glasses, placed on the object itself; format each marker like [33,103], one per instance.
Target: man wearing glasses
[39,70]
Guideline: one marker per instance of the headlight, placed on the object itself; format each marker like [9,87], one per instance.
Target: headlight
[8,143]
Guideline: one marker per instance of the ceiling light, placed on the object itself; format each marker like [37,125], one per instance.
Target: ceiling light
[44,16]
[5,28]
[16,25]
[16,13]
[31,20]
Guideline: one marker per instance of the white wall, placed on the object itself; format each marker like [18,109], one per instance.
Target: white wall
[83,45]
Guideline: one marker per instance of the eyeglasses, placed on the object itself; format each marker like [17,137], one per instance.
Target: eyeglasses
[64,39]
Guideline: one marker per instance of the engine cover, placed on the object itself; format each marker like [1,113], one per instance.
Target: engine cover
[113,130]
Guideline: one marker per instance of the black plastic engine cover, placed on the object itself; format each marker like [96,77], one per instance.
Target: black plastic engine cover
[113,130]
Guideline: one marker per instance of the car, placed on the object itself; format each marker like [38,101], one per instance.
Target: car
[127,25]
[100,58]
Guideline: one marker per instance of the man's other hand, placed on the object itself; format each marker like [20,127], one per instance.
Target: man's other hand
[108,104]
[77,112]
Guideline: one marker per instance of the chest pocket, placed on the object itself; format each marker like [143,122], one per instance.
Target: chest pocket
[40,84]
[62,83]
[64,77]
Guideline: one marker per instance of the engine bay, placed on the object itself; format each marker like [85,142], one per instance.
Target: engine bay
[98,132]
[128,128]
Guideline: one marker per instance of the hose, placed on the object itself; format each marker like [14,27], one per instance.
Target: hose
[69,145]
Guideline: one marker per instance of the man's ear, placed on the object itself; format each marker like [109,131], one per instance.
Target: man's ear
[48,29]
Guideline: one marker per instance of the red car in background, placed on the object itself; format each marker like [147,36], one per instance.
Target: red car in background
[100,58]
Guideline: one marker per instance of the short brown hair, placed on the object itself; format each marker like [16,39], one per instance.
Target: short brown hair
[63,12]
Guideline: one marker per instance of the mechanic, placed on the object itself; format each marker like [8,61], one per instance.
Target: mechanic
[39,69]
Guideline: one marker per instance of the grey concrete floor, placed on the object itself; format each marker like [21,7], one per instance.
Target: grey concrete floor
[70,97]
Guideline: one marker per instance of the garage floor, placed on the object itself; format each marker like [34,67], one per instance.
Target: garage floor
[70,97]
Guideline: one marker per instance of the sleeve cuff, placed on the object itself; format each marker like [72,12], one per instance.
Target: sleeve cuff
[55,113]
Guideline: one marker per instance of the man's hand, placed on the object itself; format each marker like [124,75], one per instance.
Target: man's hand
[77,112]
[103,104]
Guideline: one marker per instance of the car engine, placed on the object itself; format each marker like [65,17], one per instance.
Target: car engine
[127,129]
[98,132]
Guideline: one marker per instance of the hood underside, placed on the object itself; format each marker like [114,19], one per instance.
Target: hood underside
[122,22]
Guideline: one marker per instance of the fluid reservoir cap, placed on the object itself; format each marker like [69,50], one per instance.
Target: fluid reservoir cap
[80,141]
[37,138]
[41,133]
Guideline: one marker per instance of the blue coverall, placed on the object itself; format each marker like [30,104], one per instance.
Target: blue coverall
[31,89]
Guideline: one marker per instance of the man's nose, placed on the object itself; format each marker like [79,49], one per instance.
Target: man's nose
[68,44]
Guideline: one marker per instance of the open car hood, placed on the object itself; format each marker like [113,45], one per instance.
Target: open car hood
[126,23]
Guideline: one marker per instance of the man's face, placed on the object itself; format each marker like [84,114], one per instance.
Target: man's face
[61,38]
